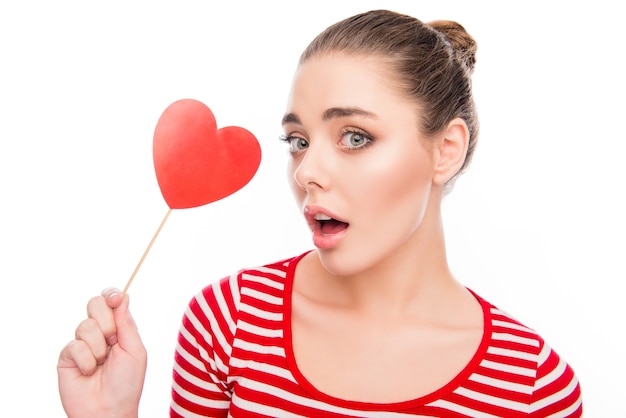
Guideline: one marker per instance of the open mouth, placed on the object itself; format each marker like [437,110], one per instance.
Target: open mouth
[328,225]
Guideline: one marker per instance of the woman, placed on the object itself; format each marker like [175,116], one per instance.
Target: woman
[379,123]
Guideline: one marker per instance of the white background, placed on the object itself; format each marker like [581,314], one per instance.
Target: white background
[536,226]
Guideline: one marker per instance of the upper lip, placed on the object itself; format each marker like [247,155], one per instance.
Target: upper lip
[311,211]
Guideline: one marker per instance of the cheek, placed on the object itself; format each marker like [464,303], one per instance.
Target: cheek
[399,173]
[399,185]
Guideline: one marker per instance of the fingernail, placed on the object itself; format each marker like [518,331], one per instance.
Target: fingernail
[110,292]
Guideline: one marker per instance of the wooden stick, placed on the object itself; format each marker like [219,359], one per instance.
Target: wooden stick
[147,251]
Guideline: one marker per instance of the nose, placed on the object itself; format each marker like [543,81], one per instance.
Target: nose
[312,171]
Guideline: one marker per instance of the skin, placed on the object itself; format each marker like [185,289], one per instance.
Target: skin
[101,372]
[388,276]
[387,281]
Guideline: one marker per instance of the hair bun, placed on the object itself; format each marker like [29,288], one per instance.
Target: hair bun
[462,43]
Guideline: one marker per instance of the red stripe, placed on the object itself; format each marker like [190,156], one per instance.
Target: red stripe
[239,313]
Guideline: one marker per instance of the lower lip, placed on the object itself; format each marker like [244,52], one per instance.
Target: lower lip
[326,242]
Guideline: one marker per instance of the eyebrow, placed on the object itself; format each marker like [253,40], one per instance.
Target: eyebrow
[333,112]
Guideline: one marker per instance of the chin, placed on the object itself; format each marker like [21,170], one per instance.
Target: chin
[339,263]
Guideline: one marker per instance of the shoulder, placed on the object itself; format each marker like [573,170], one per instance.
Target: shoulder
[265,283]
[519,350]
[214,314]
[509,335]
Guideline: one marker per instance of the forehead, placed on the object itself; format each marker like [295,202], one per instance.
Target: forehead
[339,79]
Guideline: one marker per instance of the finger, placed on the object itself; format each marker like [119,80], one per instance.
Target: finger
[77,354]
[127,333]
[113,296]
[90,333]
[99,310]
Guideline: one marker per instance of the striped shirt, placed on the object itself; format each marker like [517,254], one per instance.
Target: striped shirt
[234,358]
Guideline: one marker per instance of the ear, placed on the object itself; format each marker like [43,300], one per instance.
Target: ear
[451,151]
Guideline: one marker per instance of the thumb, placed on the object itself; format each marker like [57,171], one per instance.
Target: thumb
[127,333]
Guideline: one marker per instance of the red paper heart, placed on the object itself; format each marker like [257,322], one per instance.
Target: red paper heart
[195,162]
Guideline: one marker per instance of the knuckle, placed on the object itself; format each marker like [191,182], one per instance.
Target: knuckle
[81,353]
[95,304]
[86,327]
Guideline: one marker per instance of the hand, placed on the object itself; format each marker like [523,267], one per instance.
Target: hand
[101,373]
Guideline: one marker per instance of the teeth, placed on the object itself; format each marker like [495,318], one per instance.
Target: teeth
[322,217]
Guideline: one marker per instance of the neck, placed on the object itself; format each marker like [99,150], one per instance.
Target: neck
[414,278]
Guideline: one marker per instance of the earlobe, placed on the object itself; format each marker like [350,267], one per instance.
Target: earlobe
[452,150]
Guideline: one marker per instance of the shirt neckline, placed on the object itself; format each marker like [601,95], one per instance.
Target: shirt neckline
[315,393]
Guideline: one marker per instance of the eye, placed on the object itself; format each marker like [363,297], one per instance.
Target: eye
[295,143]
[354,140]
[298,144]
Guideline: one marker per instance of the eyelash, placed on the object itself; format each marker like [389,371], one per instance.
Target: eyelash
[354,130]
[288,139]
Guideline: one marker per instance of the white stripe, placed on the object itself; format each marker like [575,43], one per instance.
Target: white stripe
[555,397]
[511,325]
[262,296]
[259,313]
[553,376]
[513,353]
[276,272]
[213,325]
[449,406]
[569,411]
[262,409]
[184,413]
[223,307]
[216,365]
[264,280]
[299,400]
[501,384]
[199,400]
[508,368]
[544,354]
[514,339]
[498,311]
[234,288]
[492,400]
[262,367]
[200,383]
[263,332]
[258,348]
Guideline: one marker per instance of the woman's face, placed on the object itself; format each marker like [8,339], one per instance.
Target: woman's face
[358,166]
